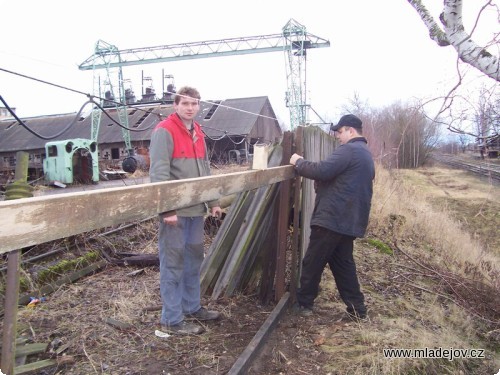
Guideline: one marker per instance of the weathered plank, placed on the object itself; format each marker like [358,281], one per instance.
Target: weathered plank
[223,241]
[30,349]
[246,246]
[31,221]
[66,279]
[7,361]
[283,220]
[253,349]
[35,366]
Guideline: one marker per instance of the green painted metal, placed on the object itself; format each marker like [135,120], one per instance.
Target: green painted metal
[293,41]
[79,157]
[71,159]
[20,188]
[113,88]
[296,99]
[196,50]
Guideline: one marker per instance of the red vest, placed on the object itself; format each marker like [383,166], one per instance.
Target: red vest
[185,145]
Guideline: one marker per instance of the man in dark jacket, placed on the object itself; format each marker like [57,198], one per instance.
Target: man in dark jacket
[344,186]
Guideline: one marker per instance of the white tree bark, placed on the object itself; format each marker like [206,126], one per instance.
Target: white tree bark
[453,33]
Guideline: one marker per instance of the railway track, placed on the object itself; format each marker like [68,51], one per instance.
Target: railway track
[485,168]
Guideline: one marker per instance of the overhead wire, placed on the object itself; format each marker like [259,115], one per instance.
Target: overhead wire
[45,82]
[72,123]
[117,103]
[90,96]
[23,124]
[226,106]
[120,125]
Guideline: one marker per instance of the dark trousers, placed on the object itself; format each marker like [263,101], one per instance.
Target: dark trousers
[334,249]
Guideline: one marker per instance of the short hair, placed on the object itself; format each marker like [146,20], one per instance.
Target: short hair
[186,91]
[357,130]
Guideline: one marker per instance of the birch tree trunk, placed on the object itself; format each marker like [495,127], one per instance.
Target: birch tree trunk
[453,33]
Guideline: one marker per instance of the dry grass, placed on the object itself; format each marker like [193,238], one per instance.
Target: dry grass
[451,273]
[439,289]
[434,226]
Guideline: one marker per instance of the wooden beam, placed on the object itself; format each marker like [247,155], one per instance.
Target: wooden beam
[253,349]
[31,221]
[30,368]
[296,249]
[283,220]
[7,362]
[30,349]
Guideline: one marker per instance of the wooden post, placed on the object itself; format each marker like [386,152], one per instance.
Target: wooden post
[295,272]
[12,287]
[253,349]
[283,219]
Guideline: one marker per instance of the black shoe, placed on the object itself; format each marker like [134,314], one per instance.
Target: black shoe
[357,317]
[204,314]
[302,310]
[185,328]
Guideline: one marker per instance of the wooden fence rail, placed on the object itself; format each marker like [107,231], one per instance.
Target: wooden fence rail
[32,221]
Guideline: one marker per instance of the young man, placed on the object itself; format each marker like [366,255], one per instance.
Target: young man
[178,151]
[344,185]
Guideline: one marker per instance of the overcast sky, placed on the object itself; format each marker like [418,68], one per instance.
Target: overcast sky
[379,50]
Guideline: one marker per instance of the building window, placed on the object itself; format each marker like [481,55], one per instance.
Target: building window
[115,153]
[11,125]
[215,105]
[52,151]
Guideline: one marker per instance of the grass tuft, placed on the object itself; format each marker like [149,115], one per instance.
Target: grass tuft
[382,247]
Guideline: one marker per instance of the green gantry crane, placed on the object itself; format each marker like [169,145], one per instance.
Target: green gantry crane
[294,41]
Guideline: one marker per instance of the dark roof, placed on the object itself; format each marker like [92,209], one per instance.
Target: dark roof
[14,137]
[233,116]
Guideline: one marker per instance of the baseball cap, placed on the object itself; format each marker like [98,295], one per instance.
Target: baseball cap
[347,120]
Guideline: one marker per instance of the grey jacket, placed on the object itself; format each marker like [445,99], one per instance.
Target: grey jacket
[344,188]
[177,154]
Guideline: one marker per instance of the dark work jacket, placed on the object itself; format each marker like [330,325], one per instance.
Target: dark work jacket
[344,188]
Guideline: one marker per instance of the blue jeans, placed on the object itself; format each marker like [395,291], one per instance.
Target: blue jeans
[181,255]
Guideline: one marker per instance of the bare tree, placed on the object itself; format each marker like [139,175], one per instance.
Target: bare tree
[452,33]
[400,135]
[463,140]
